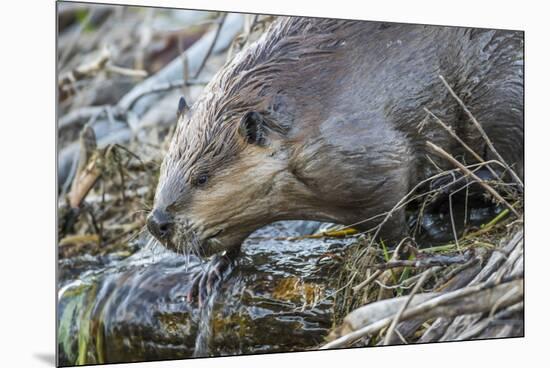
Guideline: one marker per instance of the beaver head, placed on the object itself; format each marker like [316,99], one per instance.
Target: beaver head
[279,134]
[223,175]
[227,171]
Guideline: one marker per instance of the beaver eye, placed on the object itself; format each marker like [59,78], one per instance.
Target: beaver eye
[202,179]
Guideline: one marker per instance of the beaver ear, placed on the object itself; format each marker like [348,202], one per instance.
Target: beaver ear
[253,128]
[182,107]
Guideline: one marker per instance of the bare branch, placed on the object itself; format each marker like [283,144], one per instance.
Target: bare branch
[440,151]
[482,132]
[438,260]
[459,140]
[221,20]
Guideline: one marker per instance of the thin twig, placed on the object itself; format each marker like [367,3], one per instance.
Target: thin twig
[405,305]
[81,115]
[411,280]
[377,273]
[482,132]
[452,217]
[440,151]
[439,301]
[221,20]
[438,260]
[454,272]
[166,87]
[373,277]
[459,140]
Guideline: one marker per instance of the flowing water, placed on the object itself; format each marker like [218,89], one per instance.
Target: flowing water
[278,297]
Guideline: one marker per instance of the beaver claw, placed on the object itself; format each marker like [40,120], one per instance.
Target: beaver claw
[208,278]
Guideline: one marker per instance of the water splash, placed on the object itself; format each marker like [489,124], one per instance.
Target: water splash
[207,306]
[137,309]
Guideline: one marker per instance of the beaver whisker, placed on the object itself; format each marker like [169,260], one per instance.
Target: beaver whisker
[196,245]
[153,245]
[187,257]
[181,248]
[150,241]
[186,250]
[137,234]
[187,242]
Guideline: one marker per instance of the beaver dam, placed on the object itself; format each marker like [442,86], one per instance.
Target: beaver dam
[298,285]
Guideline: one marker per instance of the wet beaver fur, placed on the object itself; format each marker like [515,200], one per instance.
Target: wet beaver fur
[324,119]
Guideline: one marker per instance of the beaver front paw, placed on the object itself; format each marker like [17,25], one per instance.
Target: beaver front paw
[209,277]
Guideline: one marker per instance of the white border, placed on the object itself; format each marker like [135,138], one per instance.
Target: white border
[28,181]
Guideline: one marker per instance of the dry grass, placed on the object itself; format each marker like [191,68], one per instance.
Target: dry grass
[469,288]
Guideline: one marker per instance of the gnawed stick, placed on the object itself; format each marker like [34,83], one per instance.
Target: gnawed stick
[441,152]
[87,173]
[79,239]
[376,311]
[163,87]
[135,73]
[502,315]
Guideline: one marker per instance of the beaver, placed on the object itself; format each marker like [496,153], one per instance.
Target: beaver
[323,119]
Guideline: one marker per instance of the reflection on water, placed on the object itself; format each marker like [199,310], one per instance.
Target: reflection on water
[276,298]
[136,309]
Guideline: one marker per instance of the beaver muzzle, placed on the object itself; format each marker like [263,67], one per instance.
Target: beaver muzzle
[160,224]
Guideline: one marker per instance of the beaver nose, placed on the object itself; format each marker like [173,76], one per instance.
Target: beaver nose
[159,224]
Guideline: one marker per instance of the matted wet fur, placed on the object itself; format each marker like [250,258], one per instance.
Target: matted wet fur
[323,119]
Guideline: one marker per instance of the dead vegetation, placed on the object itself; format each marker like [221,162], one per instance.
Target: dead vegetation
[121,73]
[471,288]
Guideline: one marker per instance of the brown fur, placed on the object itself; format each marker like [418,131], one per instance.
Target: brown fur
[341,103]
